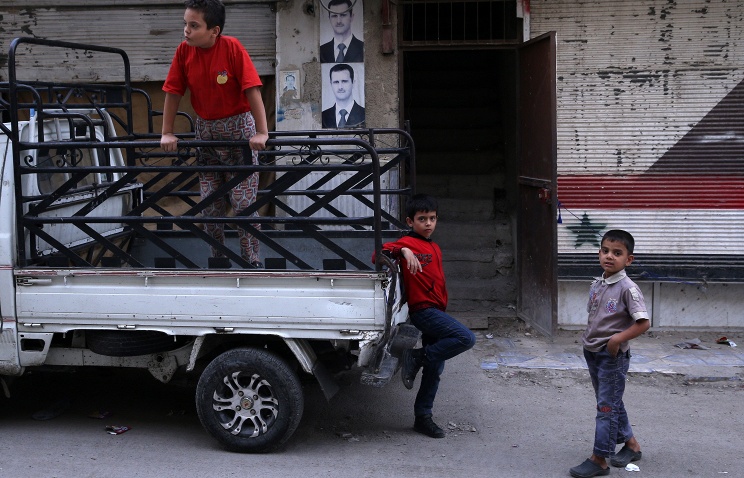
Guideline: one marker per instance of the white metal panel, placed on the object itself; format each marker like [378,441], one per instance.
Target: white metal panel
[669,232]
[688,305]
[149,35]
[634,76]
[301,305]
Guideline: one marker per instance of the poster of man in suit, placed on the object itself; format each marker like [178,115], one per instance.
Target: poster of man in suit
[342,38]
[343,96]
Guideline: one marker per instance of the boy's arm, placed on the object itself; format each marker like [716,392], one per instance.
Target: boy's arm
[397,251]
[258,141]
[168,140]
[412,261]
[639,327]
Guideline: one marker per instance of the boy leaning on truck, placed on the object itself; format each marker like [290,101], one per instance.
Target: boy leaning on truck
[443,337]
[226,96]
[617,314]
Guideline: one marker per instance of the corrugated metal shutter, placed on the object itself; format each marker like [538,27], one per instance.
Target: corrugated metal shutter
[650,122]
[149,35]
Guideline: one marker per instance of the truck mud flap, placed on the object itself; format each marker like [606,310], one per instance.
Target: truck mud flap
[310,364]
[404,336]
[381,375]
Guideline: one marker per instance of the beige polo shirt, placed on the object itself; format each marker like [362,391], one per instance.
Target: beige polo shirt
[615,303]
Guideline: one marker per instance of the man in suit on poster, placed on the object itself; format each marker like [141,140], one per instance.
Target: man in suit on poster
[344,47]
[345,113]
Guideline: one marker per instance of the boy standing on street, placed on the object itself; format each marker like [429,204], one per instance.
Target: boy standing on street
[443,337]
[226,96]
[617,314]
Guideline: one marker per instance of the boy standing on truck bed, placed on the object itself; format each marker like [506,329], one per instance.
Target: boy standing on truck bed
[443,337]
[225,94]
[617,315]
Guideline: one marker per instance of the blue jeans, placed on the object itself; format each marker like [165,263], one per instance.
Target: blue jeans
[443,337]
[608,379]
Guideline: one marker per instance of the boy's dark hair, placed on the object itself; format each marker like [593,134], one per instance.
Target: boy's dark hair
[421,202]
[213,11]
[618,235]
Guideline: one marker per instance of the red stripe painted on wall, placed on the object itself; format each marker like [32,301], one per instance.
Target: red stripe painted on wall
[652,192]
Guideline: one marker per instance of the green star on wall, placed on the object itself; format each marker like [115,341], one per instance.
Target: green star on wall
[587,232]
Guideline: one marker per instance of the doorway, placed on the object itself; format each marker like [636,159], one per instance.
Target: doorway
[483,121]
[462,105]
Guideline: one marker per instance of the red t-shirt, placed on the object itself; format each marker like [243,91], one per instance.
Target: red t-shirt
[426,288]
[216,76]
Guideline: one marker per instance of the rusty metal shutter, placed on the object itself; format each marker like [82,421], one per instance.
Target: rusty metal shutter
[149,33]
[650,126]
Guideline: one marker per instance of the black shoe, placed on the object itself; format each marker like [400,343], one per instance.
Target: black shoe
[424,424]
[625,456]
[257,265]
[412,362]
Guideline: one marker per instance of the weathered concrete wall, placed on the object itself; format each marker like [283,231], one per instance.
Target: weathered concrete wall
[297,45]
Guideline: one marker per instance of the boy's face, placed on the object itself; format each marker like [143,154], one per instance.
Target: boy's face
[614,257]
[423,223]
[195,29]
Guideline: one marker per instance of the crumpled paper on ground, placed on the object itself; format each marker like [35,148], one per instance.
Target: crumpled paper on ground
[632,467]
[692,344]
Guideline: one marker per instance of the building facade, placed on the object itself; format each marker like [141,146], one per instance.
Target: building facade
[646,119]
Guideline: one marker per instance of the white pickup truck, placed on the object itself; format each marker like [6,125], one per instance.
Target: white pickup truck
[103,261]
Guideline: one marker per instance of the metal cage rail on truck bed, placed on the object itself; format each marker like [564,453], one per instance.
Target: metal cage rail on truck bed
[92,191]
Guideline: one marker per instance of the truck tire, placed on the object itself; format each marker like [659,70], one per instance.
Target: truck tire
[250,400]
[128,343]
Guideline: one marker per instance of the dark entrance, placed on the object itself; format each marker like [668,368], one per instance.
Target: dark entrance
[463,107]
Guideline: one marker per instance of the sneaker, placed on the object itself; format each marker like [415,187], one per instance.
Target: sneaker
[424,424]
[257,265]
[412,362]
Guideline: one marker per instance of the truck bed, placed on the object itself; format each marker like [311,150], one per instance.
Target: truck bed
[292,304]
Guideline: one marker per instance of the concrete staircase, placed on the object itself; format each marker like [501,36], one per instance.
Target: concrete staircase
[475,234]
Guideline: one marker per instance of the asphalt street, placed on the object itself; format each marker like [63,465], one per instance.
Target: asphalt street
[504,417]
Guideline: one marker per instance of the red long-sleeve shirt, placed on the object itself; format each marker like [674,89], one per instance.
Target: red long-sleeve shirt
[427,288]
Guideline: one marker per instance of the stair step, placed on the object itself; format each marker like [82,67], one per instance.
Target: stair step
[469,270]
[461,309]
[501,289]
[466,209]
[458,238]
[460,186]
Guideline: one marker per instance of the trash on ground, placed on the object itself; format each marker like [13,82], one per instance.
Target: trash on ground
[632,467]
[99,414]
[725,341]
[489,365]
[692,344]
[53,411]
[463,427]
[489,336]
[117,430]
